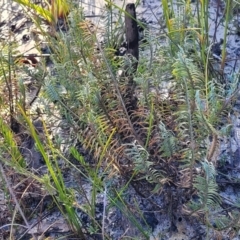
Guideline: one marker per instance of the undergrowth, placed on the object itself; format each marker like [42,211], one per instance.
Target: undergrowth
[164,144]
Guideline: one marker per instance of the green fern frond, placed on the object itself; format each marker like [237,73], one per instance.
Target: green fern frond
[225,222]
[185,69]
[140,157]
[208,192]
[209,170]
[168,143]
[207,188]
[51,92]
[143,165]
[221,222]
[233,85]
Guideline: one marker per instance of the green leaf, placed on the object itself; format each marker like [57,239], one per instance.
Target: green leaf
[47,15]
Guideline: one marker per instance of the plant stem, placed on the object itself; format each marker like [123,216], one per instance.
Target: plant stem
[225,35]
